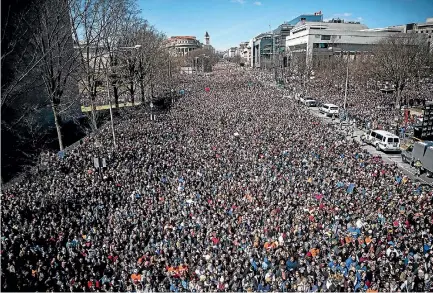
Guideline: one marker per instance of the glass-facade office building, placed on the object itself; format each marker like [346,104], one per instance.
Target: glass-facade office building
[307,17]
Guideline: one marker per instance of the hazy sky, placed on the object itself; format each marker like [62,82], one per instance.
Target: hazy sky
[230,22]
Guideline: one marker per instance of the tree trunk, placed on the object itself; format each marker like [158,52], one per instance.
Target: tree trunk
[116,97]
[399,89]
[57,123]
[93,108]
[131,92]
[143,97]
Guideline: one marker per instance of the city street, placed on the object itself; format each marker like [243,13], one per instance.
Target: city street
[155,146]
[387,157]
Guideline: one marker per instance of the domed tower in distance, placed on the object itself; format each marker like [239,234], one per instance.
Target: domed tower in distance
[207,38]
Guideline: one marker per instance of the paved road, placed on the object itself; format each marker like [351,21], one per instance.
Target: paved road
[387,157]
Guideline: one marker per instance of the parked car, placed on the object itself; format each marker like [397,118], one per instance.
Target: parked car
[420,151]
[329,109]
[382,140]
[310,102]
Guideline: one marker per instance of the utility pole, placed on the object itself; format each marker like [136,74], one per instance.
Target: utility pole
[273,54]
[347,80]
[305,87]
[169,79]
[281,63]
[109,101]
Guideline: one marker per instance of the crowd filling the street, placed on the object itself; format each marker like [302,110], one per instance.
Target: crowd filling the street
[236,188]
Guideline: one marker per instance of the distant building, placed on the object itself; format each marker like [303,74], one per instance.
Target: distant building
[262,50]
[232,52]
[269,49]
[207,44]
[182,45]
[318,39]
[426,28]
[316,17]
[280,34]
[244,50]
[207,38]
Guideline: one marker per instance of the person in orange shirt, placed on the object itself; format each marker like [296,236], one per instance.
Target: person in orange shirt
[136,277]
[348,239]
[314,252]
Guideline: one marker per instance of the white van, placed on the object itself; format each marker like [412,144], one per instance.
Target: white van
[382,140]
[310,102]
[329,109]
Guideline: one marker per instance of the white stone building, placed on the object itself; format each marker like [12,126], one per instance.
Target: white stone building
[245,51]
[182,45]
[322,38]
[232,52]
[426,28]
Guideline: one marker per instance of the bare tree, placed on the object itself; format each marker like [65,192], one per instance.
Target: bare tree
[397,60]
[205,59]
[125,12]
[127,53]
[94,25]
[51,38]
[19,64]
[301,72]
[151,42]
[18,59]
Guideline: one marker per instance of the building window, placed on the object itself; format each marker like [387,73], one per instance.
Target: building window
[339,37]
[326,38]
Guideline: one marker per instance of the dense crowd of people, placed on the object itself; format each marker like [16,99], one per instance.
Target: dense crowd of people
[372,105]
[234,189]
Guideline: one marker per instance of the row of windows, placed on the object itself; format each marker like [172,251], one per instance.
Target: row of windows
[186,42]
[320,45]
[384,138]
[326,37]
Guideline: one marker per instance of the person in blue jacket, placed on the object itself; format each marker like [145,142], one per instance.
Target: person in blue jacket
[291,264]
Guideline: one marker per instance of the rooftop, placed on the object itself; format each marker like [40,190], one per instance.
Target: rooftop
[182,38]
[352,26]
